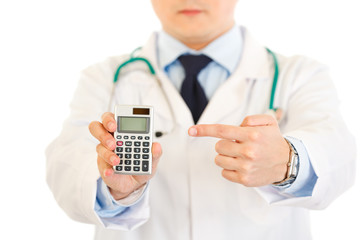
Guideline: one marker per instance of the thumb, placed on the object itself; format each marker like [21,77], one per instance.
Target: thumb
[156,150]
[258,120]
[156,153]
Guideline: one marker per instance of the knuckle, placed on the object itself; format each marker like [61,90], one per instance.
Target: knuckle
[92,126]
[104,115]
[217,160]
[247,168]
[223,174]
[218,146]
[99,162]
[249,152]
[220,130]
[254,135]
[245,180]
[98,147]
[103,136]
[107,155]
[107,116]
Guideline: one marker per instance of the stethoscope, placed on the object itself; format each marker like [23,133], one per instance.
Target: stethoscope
[271,109]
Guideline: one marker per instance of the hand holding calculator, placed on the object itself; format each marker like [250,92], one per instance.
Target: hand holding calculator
[133,137]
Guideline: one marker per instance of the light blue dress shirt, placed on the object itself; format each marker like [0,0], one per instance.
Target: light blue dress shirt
[225,60]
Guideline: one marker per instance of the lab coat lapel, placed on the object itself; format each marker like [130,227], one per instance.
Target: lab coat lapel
[232,96]
[168,96]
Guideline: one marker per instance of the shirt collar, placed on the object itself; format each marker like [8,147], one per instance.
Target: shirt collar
[225,50]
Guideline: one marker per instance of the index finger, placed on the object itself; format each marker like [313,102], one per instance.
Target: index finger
[219,131]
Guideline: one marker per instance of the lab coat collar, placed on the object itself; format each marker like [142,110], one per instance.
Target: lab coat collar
[254,63]
[254,66]
[227,57]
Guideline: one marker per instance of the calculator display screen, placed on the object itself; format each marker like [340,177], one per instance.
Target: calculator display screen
[133,124]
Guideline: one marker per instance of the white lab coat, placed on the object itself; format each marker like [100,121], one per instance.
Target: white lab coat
[188,198]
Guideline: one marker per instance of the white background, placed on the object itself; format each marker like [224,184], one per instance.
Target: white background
[45,44]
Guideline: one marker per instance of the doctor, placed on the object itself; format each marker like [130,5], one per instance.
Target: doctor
[238,173]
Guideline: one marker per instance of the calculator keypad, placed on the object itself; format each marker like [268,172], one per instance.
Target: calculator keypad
[134,153]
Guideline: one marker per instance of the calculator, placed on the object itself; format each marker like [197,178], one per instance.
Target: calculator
[133,137]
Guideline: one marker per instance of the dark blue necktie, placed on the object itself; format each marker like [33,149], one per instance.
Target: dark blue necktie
[191,90]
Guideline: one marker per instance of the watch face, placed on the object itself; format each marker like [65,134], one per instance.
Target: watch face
[293,167]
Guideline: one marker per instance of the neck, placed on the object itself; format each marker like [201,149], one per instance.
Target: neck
[198,43]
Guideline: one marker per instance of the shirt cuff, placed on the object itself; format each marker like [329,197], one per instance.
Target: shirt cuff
[106,206]
[306,179]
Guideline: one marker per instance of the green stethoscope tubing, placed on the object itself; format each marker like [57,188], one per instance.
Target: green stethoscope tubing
[152,71]
[275,80]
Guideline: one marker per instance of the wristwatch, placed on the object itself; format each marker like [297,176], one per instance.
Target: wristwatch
[292,168]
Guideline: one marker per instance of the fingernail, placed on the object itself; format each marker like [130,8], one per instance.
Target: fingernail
[114,160]
[192,131]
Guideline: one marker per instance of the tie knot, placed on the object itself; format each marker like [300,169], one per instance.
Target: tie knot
[194,63]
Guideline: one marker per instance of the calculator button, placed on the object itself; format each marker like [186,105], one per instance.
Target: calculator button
[120,155]
[126,137]
[145,144]
[118,168]
[128,143]
[127,156]
[119,149]
[145,166]
[137,150]
[147,138]
[119,143]
[127,150]
[127,169]
[136,162]
[133,137]
[145,156]
[146,150]
[137,144]
[140,137]
[137,156]
[127,162]
[136,169]
[121,162]
[118,137]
